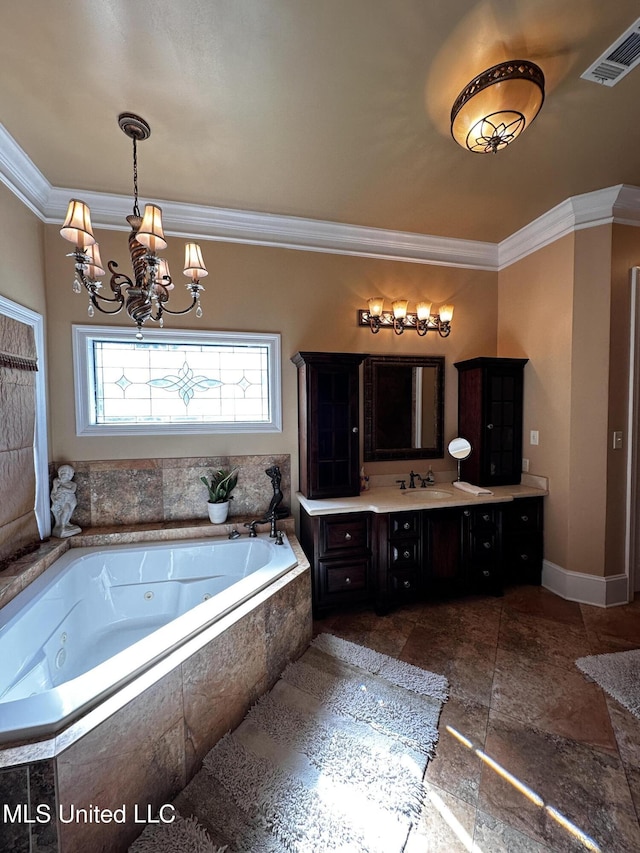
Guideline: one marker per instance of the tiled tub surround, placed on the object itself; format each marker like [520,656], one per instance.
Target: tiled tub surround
[141,491]
[149,500]
[145,742]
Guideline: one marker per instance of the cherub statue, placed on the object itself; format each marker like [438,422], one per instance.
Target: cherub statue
[64,502]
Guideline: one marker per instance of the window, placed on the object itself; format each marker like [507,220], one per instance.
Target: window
[175,382]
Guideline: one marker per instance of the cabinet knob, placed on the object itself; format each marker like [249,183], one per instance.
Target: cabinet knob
[489,426]
[407,584]
[524,557]
[354,429]
[486,517]
[467,513]
[406,554]
[347,581]
[347,536]
[406,526]
[486,573]
[487,544]
[524,517]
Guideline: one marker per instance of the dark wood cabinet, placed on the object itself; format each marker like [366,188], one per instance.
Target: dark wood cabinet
[339,550]
[490,392]
[391,558]
[328,417]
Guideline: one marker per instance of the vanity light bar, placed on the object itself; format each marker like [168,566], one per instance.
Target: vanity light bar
[440,322]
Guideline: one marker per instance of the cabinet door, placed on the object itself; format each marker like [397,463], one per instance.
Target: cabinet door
[328,424]
[490,392]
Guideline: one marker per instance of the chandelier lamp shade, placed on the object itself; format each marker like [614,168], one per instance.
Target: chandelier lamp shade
[145,295]
[399,319]
[497,105]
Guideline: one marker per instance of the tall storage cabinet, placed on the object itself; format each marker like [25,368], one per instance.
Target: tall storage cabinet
[328,417]
[490,392]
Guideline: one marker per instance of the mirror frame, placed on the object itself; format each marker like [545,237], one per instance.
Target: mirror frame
[371,452]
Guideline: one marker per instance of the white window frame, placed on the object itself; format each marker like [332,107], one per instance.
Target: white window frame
[31,318]
[83,377]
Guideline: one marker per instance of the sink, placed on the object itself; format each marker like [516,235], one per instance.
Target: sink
[426,494]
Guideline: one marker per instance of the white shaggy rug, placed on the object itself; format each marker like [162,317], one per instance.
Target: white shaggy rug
[617,673]
[331,759]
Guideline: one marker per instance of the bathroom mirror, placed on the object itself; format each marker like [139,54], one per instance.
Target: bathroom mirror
[460,449]
[403,407]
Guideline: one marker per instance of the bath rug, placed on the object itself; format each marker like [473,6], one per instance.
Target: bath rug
[331,759]
[178,837]
[618,674]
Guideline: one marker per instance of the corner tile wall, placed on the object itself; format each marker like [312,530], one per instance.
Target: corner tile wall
[138,491]
[30,787]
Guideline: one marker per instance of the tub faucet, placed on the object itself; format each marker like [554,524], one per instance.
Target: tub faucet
[252,527]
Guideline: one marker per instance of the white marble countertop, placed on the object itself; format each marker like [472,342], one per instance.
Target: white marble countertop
[393,499]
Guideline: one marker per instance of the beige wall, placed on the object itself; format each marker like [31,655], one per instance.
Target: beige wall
[566,307]
[535,299]
[21,254]
[310,298]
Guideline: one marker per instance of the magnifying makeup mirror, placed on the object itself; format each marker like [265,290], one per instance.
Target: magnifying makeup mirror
[460,449]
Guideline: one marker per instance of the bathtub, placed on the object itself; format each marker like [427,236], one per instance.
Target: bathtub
[98,617]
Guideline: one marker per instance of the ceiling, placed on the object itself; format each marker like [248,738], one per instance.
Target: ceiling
[334,110]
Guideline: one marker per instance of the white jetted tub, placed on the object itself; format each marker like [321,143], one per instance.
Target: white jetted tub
[99,616]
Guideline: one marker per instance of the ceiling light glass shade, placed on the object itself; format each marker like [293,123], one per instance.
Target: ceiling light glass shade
[376,305]
[423,310]
[151,232]
[400,308]
[193,264]
[445,313]
[497,105]
[77,225]
[94,268]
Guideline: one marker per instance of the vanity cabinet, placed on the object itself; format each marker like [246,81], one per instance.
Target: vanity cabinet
[490,392]
[481,563]
[339,550]
[400,550]
[522,541]
[328,413]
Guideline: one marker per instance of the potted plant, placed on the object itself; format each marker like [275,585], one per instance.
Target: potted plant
[220,485]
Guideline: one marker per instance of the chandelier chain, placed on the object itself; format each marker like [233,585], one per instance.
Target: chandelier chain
[136,209]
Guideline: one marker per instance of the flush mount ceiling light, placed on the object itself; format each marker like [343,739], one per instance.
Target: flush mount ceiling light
[147,293]
[496,106]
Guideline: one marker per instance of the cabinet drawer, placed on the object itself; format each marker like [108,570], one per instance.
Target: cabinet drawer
[404,553]
[346,578]
[524,516]
[404,582]
[343,533]
[404,524]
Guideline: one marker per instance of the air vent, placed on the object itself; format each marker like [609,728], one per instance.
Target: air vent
[617,60]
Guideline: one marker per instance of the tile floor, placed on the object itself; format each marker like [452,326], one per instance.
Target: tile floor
[532,756]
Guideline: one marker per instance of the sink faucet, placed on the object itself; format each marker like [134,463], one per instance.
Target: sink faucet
[412,479]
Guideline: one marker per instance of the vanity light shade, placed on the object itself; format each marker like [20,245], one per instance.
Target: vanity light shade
[399,307]
[376,304]
[423,310]
[446,313]
[94,268]
[151,232]
[193,263]
[497,105]
[77,225]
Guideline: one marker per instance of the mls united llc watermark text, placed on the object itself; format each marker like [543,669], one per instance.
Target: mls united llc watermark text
[44,813]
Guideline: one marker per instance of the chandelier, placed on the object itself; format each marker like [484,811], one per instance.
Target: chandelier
[496,106]
[399,318]
[146,294]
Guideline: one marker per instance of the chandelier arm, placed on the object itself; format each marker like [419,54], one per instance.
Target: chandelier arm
[194,302]
[94,296]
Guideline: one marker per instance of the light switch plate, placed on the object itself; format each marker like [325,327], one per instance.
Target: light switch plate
[534,436]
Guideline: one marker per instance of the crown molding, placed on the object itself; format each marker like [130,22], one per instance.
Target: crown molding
[620,204]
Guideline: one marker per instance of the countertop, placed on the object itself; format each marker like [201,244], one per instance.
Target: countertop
[393,499]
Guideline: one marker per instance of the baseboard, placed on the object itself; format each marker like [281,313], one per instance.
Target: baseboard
[585,589]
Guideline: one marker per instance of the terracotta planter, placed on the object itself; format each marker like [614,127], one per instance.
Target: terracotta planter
[218,512]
